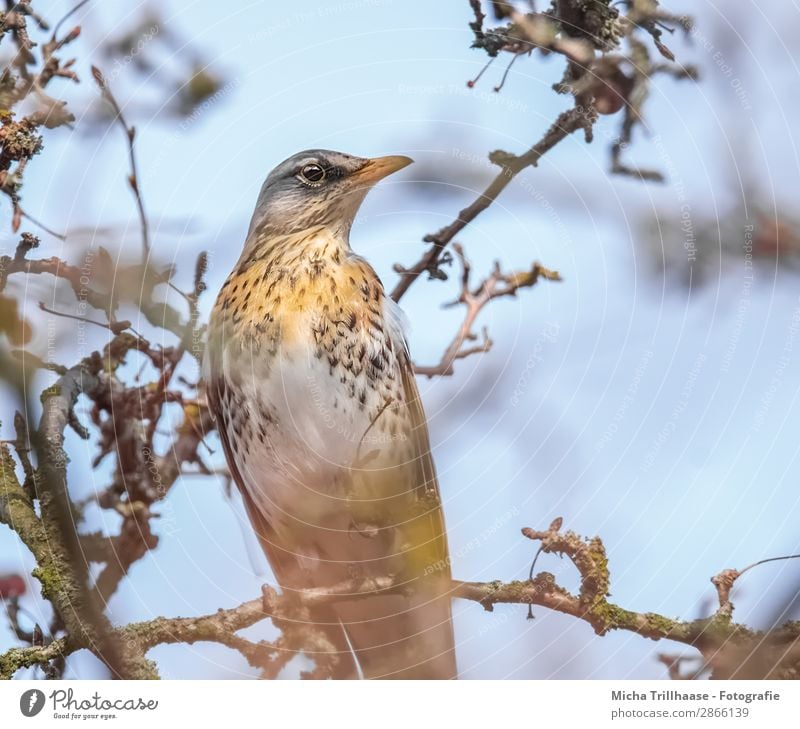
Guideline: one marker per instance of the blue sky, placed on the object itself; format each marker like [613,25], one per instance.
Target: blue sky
[659,416]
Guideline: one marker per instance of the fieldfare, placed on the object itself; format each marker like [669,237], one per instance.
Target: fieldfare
[309,376]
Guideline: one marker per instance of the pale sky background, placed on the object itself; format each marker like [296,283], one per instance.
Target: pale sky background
[660,416]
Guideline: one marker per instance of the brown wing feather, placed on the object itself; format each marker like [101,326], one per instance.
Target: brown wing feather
[410,635]
[427,480]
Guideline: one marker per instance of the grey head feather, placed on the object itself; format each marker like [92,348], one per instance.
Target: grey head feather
[289,203]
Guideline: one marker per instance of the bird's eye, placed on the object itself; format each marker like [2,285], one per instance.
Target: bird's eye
[312,173]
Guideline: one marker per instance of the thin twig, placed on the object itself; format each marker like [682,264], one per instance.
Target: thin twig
[767,561]
[68,15]
[115,326]
[39,224]
[133,177]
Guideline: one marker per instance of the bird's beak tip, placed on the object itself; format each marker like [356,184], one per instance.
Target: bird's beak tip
[379,167]
[401,161]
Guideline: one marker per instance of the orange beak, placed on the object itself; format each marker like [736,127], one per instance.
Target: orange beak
[380,167]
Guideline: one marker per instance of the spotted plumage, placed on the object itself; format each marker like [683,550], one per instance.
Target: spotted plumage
[310,378]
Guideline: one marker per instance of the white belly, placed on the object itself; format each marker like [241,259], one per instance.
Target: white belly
[309,429]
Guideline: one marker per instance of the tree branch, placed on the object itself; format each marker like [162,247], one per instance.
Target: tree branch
[720,641]
[567,123]
[495,286]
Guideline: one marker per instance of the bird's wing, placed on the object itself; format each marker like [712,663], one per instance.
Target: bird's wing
[409,635]
[425,478]
[422,466]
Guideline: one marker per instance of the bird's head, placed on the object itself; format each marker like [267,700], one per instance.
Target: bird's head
[318,187]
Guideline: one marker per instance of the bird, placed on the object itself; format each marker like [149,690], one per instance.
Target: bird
[308,374]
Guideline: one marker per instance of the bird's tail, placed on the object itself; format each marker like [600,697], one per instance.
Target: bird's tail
[399,636]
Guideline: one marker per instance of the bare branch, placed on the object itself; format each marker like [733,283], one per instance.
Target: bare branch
[567,123]
[133,177]
[717,638]
[495,286]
